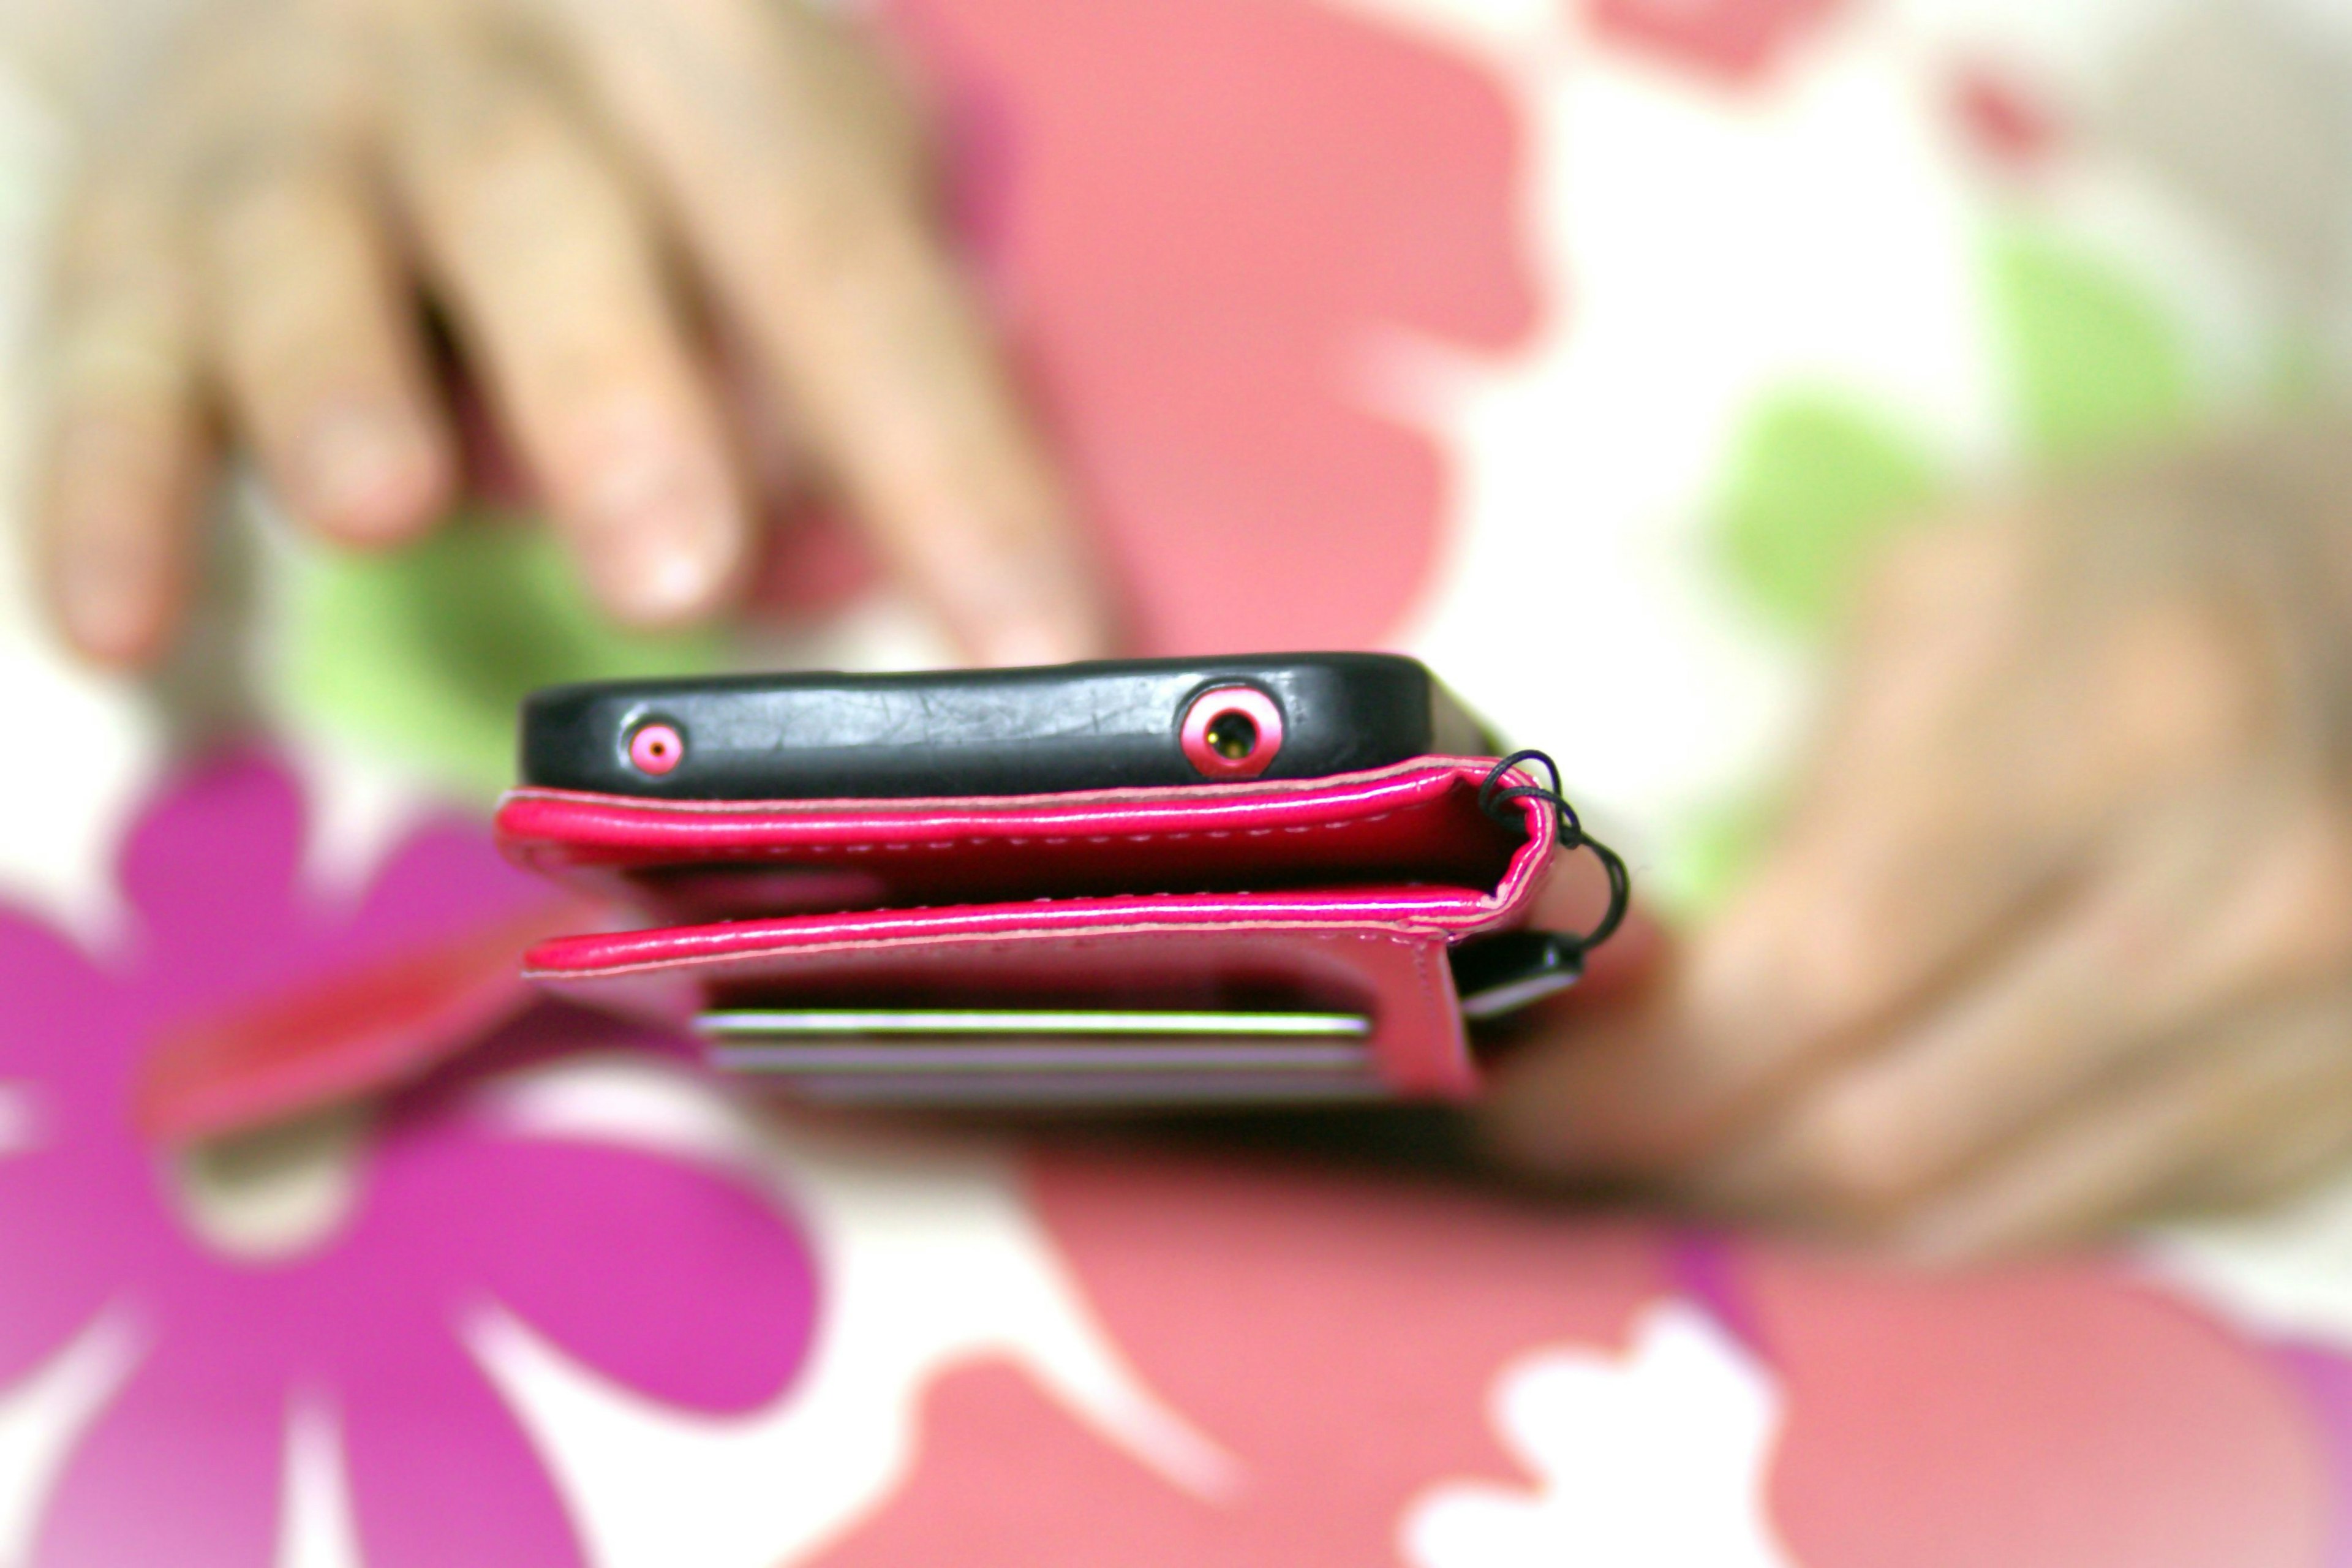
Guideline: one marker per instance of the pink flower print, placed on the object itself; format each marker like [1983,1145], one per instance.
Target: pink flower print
[1736,41]
[2049,1415]
[683,1282]
[1344,1336]
[2003,118]
[1201,223]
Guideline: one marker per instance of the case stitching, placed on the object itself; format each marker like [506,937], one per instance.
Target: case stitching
[1420,940]
[778,851]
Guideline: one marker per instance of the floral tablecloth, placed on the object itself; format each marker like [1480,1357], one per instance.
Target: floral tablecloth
[1574,345]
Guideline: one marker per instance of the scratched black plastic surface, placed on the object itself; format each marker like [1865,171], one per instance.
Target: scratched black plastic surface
[1002,732]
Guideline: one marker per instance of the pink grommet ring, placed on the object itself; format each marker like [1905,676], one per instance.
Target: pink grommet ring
[1231,732]
[655,748]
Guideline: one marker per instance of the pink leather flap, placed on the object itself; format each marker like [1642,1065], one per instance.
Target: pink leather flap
[1338,894]
[1409,841]
[1397,978]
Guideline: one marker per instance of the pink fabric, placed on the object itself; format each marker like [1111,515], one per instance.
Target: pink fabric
[1408,842]
[1075,899]
[1398,978]
[354,1030]
[1342,1338]
[681,1281]
[1335,1337]
[1421,813]
[1737,42]
[2040,1416]
[1202,224]
[1399,911]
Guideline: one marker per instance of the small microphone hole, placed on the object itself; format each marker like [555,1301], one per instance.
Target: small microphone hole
[656,749]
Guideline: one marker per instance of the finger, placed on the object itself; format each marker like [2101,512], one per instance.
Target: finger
[2132,1153]
[1905,846]
[2209,903]
[1942,615]
[1598,1093]
[124,454]
[556,291]
[320,352]
[760,422]
[1976,824]
[1839,924]
[2309,1143]
[1687,1078]
[813,233]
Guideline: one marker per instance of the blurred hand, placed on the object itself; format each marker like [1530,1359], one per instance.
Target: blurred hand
[592,193]
[2060,932]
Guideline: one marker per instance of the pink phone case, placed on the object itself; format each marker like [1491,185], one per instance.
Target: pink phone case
[1339,894]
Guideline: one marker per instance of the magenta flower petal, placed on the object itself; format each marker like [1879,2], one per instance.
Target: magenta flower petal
[439,1471]
[685,1285]
[666,1276]
[182,1469]
[52,1290]
[211,867]
[55,996]
[444,868]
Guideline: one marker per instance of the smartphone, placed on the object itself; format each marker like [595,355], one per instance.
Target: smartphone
[826,735]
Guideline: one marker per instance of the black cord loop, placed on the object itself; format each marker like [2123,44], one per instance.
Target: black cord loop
[1495,802]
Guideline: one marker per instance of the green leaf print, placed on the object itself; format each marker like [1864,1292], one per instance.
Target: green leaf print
[2095,363]
[426,652]
[1815,479]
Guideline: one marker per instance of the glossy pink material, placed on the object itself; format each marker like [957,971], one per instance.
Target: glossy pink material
[682,1283]
[1222,702]
[1424,812]
[1338,893]
[348,1032]
[656,749]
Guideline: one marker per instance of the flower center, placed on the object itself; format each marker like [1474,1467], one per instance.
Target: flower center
[271,1196]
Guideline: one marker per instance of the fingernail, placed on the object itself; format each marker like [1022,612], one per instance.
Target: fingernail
[365,474]
[664,541]
[108,600]
[1034,642]
[665,573]
[1043,610]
